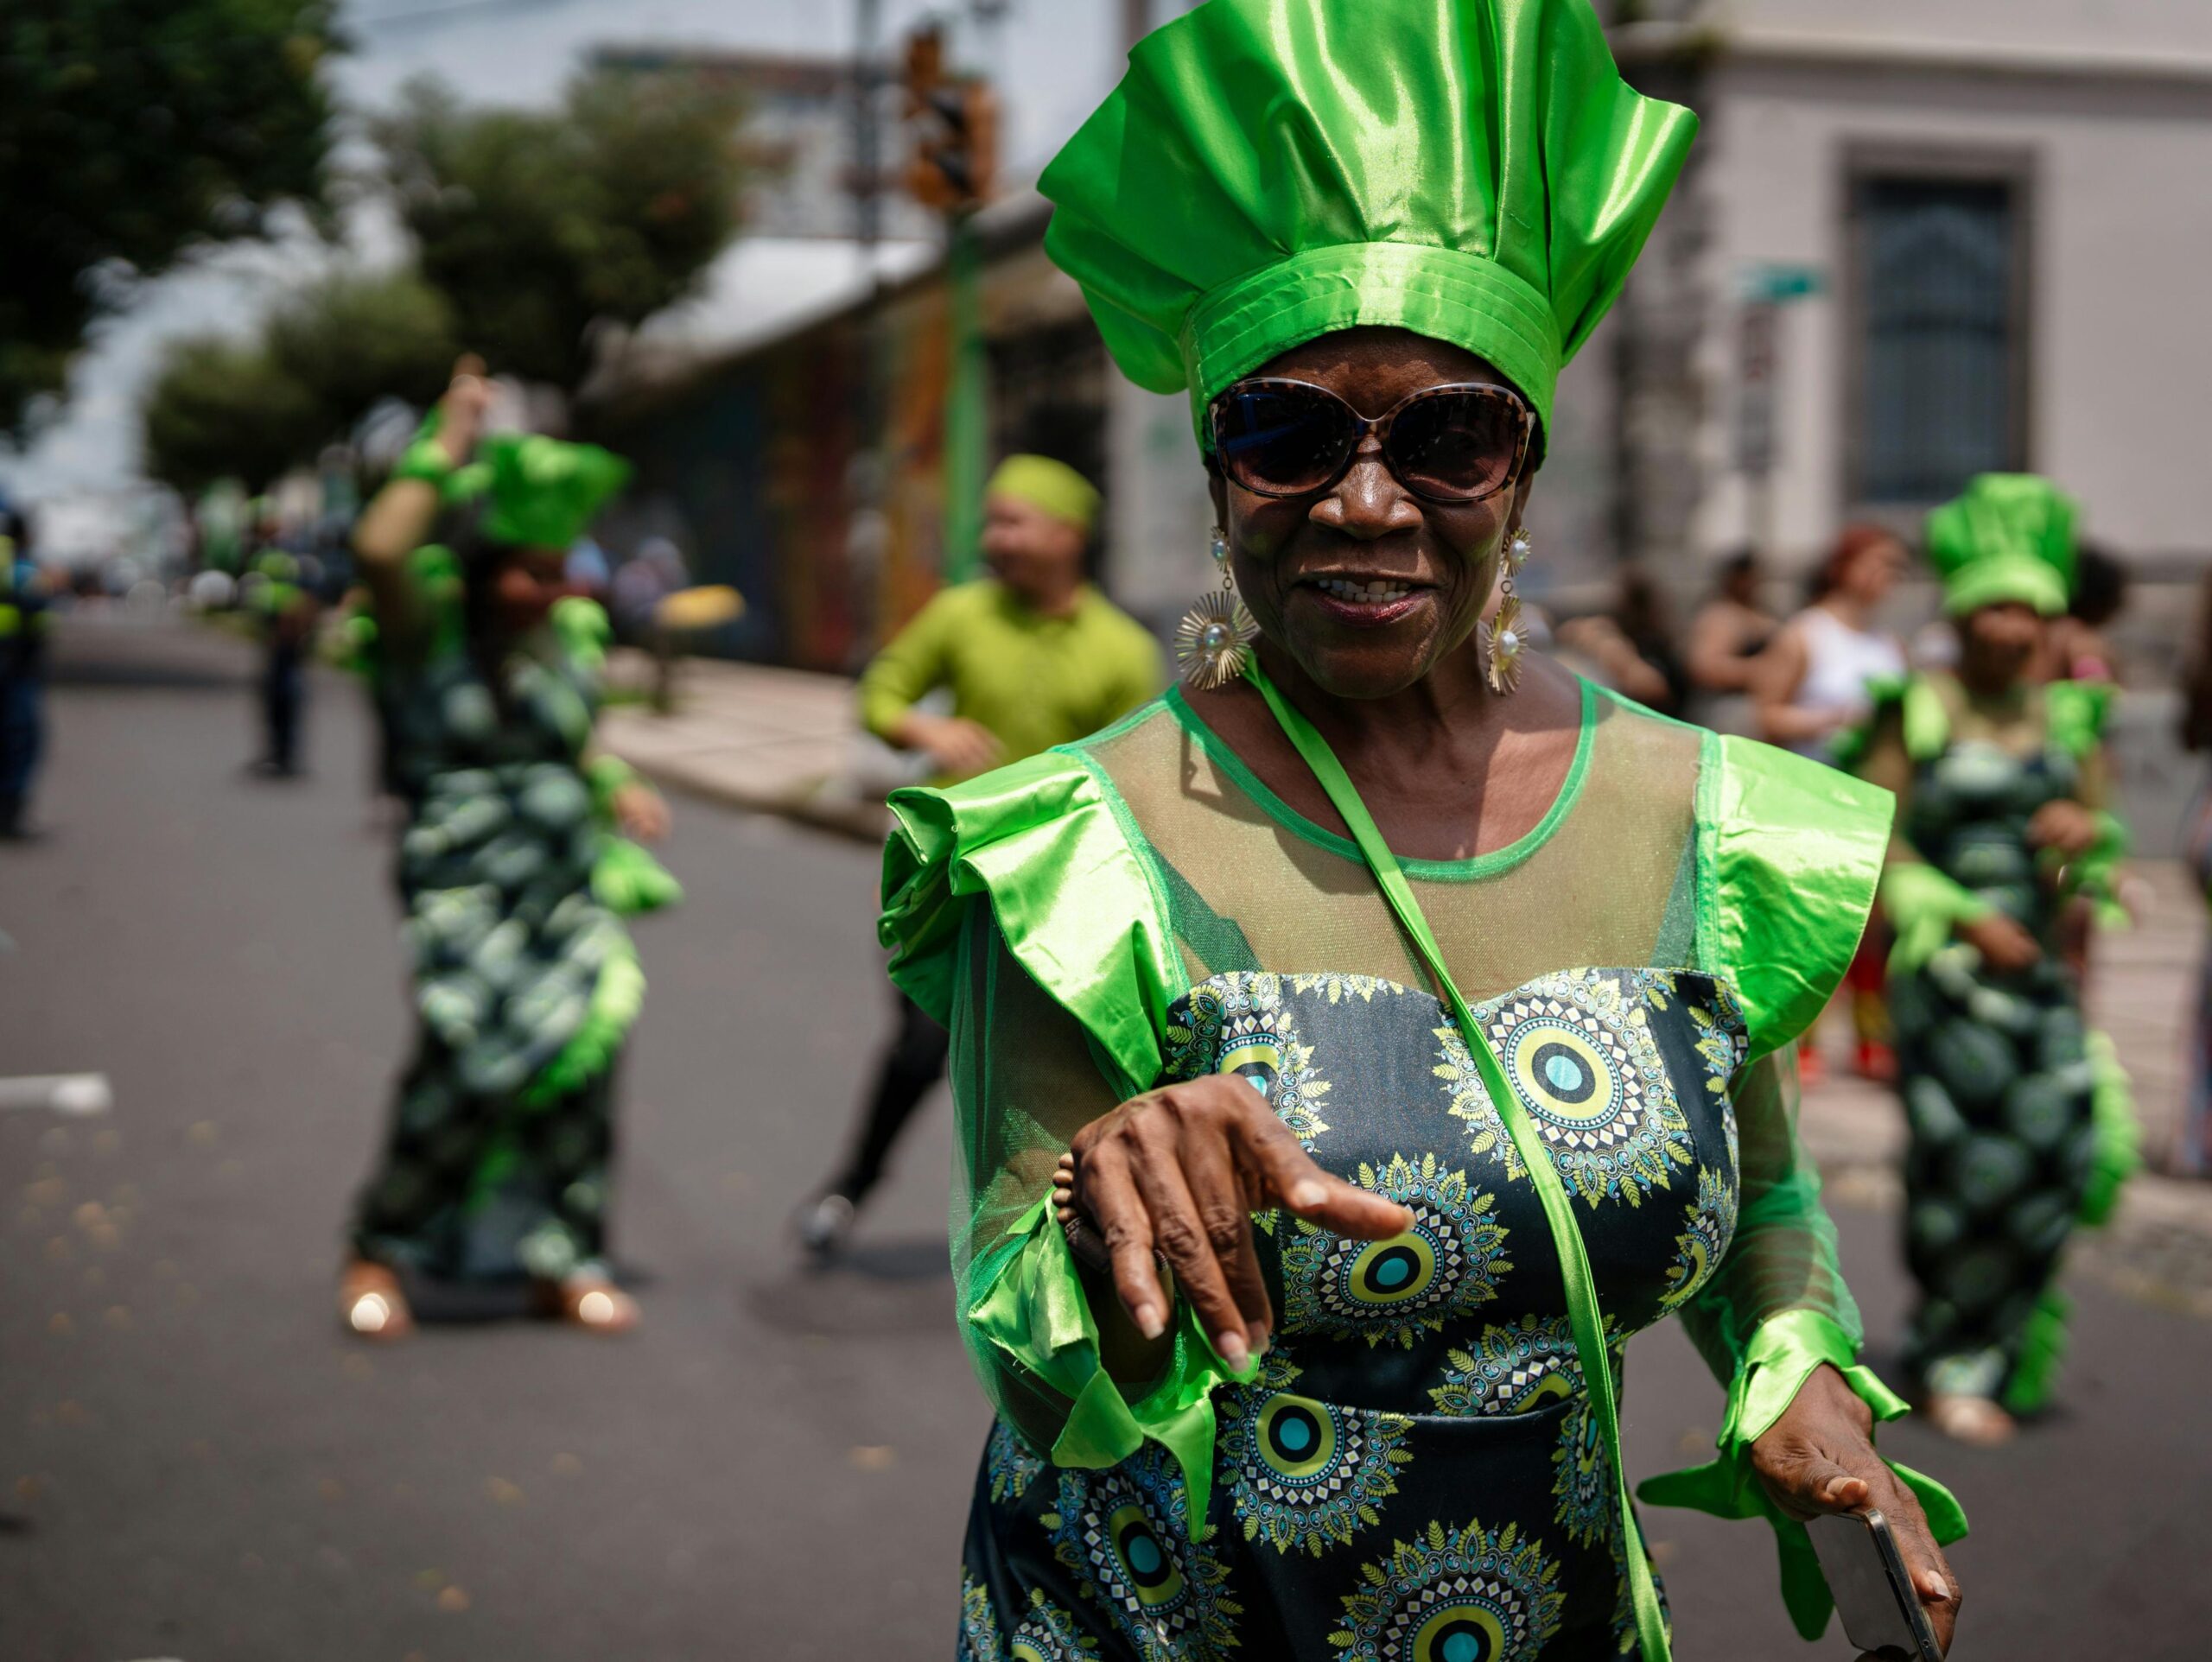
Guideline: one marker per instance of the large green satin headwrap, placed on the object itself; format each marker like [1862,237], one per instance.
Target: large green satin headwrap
[544,491]
[1272,171]
[2009,537]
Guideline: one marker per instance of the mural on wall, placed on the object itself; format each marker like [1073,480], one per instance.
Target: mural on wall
[754,467]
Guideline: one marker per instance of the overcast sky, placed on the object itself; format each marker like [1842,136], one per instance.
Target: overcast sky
[1053,60]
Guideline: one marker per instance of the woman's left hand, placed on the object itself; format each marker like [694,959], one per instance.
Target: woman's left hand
[2065,826]
[641,812]
[1819,1458]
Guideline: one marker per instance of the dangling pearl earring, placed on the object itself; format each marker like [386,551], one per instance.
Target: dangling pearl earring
[1503,639]
[1213,643]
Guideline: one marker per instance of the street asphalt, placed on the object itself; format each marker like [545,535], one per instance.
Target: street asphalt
[196,1464]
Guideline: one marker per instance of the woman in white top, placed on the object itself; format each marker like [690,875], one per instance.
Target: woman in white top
[1810,684]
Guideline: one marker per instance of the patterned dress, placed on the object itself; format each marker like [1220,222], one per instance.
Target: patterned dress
[495,1162]
[1414,1472]
[1344,1501]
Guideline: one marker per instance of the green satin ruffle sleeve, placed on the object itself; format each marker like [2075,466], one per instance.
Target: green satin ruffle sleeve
[1042,845]
[1035,1313]
[1789,854]
[1784,1353]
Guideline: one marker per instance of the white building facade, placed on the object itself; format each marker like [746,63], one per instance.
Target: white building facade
[2005,210]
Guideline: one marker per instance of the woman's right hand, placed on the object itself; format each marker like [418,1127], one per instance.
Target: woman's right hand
[2004,945]
[461,411]
[1182,1170]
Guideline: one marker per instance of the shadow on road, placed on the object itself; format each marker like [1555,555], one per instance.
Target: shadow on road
[891,1286]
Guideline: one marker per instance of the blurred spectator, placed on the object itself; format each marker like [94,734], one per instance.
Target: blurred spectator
[287,610]
[1810,684]
[1033,656]
[587,570]
[644,579]
[2192,1151]
[24,618]
[1726,637]
[648,577]
[1629,646]
[2077,646]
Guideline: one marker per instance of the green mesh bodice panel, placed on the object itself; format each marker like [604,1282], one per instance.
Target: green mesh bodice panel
[1423,1389]
[1610,880]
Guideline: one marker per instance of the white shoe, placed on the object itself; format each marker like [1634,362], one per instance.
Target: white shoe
[825,1227]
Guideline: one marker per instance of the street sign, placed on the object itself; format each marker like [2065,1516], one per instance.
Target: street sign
[1777,285]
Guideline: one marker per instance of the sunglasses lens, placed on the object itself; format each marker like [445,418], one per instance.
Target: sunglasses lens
[1455,446]
[1280,441]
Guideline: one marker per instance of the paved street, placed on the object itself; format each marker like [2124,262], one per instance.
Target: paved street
[196,1464]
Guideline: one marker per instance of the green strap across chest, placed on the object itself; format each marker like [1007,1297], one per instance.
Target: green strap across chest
[1584,1315]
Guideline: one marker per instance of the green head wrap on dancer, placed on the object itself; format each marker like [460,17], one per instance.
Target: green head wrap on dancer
[2009,538]
[1269,171]
[544,492]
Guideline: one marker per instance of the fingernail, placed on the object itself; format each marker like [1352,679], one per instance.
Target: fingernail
[1307,1193]
[1233,1349]
[1258,1336]
[1935,1586]
[1149,1322]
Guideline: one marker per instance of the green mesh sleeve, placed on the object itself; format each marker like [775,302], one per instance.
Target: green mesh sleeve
[1777,1310]
[1784,1257]
[1024,1080]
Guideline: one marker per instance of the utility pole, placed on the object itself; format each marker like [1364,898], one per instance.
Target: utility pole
[867,478]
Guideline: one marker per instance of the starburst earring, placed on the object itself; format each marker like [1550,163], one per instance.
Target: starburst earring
[1213,643]
[1503,639]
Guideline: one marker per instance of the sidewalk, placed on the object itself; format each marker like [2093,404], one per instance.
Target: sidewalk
[782,741]
[772,741]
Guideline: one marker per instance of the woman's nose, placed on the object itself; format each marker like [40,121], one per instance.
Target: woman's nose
[1368,501]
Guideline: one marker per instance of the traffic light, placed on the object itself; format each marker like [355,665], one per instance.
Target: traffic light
[956,121]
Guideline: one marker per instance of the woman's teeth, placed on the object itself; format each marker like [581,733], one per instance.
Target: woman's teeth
[1378,592]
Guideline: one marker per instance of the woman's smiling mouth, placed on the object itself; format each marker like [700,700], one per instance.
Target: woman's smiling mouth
[1364,601]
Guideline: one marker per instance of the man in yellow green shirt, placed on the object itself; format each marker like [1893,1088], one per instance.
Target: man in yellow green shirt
[1033,656]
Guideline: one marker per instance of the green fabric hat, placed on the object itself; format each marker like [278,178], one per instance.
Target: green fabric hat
[1272,171]
[544,492]
[1052,485]
[2009,537]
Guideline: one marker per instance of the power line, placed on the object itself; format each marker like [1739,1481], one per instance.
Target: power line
[453,11]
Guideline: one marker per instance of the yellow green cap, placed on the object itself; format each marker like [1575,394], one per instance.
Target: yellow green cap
[1053,486]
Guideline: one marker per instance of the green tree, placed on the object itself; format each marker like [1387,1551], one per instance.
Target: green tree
[540,226]
[132,132]
[352,339]
[222,408]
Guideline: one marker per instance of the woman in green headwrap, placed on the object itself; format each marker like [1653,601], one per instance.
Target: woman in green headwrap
[513,880]
[1354,1048]
[2019,1118]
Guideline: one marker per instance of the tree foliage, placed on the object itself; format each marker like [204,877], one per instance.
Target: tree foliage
[541,226]
[352,339]
[133,131]
[251,408]
[221,408]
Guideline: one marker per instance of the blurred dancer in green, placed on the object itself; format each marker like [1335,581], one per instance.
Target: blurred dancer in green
[496,1165]
[1033,656]
[2019,1118]
[286,611]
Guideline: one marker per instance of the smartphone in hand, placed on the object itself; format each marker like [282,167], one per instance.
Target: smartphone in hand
[1873,1591]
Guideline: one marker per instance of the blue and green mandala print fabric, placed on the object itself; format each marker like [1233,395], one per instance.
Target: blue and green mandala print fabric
[1412,1473]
